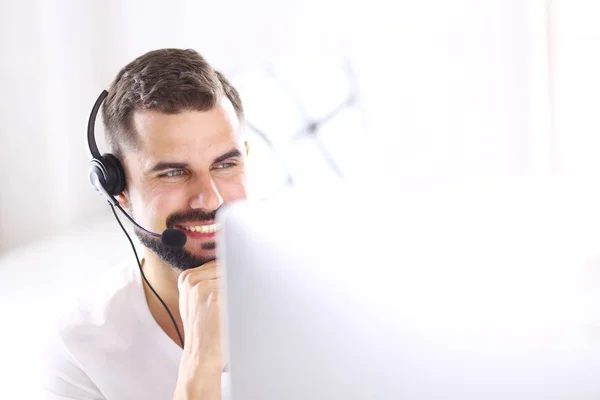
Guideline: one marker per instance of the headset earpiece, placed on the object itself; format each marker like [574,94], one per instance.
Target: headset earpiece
[105,172]
[109,173]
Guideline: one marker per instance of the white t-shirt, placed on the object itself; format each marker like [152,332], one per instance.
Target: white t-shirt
[108,346]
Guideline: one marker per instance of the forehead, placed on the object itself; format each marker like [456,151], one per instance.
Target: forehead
[188,133]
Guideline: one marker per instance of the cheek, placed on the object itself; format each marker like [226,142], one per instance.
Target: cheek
[162,202]
[232,189]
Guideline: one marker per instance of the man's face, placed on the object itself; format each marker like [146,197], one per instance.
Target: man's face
[184,168]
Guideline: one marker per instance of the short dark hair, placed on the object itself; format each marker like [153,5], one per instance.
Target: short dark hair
[166,80]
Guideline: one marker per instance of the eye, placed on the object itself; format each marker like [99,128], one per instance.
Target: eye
[225,165]
[174,173]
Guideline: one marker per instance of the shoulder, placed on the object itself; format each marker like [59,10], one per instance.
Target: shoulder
[87,327]
[103,304]
[99,298]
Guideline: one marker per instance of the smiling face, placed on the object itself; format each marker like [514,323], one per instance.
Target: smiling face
[184,167]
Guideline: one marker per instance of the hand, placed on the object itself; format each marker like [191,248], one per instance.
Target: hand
[200,308]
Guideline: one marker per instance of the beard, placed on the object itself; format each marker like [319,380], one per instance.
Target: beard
[178,258]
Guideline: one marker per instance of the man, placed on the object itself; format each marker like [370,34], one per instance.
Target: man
[175,125]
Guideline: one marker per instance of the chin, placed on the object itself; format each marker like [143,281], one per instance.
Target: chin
[205,255]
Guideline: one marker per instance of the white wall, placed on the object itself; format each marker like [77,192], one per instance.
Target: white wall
[575,55]
[447,87]
[456,91]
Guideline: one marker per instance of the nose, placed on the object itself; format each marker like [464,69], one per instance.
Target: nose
[206,195]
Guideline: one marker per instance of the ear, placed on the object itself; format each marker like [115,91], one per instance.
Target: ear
[123,199]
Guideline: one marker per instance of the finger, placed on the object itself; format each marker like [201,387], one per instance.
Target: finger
[213,297]
[214,311]
[207,265]
[202,290]
[192,276]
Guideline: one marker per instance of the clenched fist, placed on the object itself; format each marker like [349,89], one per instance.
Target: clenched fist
[203,356]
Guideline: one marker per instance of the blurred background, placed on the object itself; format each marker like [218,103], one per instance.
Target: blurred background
[411,93]
[403,94]
[443,92]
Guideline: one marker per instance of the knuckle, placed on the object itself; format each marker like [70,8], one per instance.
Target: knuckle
[185,275]
[183,278]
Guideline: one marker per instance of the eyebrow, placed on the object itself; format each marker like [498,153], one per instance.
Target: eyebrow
[165,165]
[230,154]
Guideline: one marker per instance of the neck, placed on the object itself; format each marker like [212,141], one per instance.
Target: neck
[163,279]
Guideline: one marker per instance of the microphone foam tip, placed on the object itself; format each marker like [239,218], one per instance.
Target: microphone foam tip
[173,238]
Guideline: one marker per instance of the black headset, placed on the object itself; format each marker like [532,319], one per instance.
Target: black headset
[105,171]
[107,176]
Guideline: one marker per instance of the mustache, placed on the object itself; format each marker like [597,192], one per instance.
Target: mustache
[192,215]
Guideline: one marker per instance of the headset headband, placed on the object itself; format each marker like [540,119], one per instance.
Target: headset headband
[91,123]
